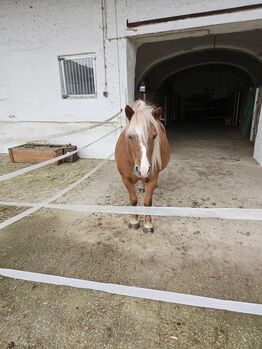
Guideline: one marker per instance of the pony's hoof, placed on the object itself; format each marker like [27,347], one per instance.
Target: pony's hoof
[141,190]
[134,226]
[148,230]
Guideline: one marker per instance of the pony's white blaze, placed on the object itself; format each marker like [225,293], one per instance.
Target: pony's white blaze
[144,164]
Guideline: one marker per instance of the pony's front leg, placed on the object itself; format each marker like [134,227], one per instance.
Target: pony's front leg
[130,186]
[150,187]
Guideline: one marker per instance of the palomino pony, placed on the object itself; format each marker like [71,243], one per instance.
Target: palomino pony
[142,151]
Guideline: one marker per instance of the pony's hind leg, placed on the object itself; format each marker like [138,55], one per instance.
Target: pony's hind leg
[133,222]
[150,187]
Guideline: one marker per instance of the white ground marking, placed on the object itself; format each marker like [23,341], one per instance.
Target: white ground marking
[137,292]
[253,214]
[53,198]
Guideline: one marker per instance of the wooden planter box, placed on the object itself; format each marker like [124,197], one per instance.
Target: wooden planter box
[73,157]
[34,153]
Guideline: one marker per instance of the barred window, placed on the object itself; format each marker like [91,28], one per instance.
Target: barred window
[78,75]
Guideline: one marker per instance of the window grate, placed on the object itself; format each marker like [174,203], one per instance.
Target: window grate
[78,75]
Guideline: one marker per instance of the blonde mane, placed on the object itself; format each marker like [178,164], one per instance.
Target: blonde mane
[140,123]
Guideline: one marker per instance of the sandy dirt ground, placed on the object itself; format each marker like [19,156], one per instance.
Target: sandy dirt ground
[208,257]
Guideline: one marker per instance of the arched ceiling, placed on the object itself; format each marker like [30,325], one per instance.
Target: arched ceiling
[157,60]
[169,67]
[220,80]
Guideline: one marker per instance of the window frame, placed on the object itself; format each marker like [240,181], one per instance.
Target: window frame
[61,59]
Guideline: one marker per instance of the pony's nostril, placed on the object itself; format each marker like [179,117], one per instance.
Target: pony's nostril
[149,168]
[137,170]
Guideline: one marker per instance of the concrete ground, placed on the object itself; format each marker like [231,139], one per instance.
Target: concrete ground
[209,257]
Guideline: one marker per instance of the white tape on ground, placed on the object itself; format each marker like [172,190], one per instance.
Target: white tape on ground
[137,292]
[54,197]
[51,161]
[223,213]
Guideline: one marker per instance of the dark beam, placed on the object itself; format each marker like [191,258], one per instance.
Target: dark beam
[193,15]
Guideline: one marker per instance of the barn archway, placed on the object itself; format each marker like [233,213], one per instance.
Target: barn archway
[205,87]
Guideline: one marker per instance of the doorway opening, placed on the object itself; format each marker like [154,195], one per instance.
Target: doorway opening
[202,85]
[208,95]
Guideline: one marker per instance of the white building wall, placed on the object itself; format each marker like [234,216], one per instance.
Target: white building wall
[34,33]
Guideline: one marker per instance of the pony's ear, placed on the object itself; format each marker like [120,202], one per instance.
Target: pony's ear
[157,113]
[129,112]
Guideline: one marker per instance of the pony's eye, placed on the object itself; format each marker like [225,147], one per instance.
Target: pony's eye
[130,137]
[154,136]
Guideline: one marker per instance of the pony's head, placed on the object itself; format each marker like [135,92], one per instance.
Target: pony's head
[143,138]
